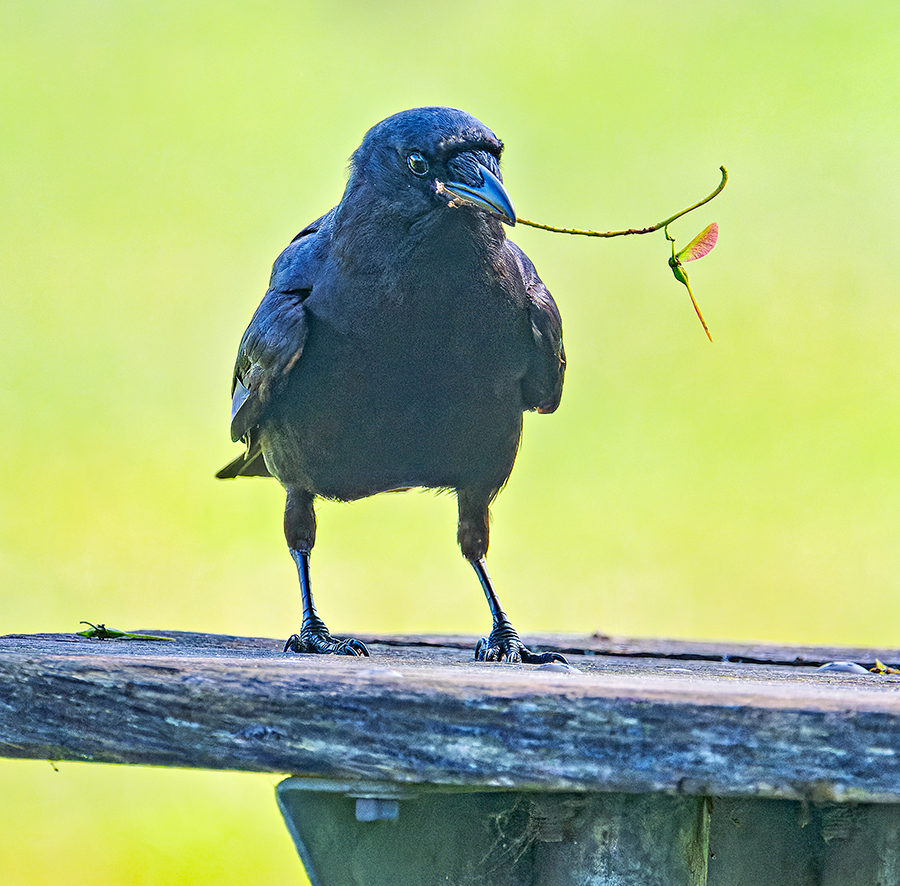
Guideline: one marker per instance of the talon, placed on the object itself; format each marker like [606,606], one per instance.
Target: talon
[504,645]
[353,647]
[293,644]
[322,643]
[530,657]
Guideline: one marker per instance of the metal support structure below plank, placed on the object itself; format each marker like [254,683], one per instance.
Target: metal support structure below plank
[499,838]
[389,835]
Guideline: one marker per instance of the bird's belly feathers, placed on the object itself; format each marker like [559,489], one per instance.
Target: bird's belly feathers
[403,401]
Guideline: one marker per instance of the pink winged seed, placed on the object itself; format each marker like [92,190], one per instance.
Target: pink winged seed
[701,244]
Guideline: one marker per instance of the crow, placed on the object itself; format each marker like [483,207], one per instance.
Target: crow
[400,341]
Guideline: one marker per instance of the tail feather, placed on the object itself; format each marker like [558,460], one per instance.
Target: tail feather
[248,464]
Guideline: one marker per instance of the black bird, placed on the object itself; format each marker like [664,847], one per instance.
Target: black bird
[399,343]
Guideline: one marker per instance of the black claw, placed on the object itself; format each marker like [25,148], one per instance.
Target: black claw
[322,643]
[353,647]
[504,645]
[530,657]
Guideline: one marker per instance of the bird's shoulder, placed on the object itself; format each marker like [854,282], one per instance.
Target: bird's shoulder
[276,335]
[298,265]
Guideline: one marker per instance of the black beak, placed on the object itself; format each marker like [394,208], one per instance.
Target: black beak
[489,195]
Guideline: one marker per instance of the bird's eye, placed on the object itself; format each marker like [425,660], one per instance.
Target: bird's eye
[417,164]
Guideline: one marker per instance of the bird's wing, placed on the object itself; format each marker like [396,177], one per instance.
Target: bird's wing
[274,340]
[543,383]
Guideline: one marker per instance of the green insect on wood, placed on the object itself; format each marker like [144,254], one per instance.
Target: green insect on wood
[102,632]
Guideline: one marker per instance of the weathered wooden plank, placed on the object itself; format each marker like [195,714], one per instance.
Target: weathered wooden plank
[459,646]
[431,716]
[667,649]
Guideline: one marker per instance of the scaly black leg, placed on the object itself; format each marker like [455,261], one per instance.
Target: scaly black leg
[314,636]
[504,644]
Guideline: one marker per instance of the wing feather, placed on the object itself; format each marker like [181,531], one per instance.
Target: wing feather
[273,342]
[543,383]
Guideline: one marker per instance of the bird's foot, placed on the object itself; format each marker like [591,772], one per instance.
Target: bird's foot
[321,642]
[504,645]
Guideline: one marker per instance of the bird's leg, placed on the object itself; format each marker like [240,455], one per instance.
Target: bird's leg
[300,531]
[314,635]
[503,644]
[503,634]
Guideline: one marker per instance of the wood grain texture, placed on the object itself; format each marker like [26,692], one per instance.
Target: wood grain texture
[422,713]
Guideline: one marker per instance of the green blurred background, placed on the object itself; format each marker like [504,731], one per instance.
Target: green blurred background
[155,158]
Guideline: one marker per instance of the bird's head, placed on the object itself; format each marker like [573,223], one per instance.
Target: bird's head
[431,159]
